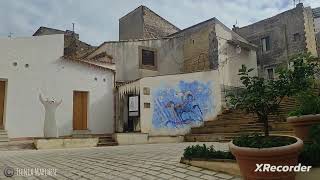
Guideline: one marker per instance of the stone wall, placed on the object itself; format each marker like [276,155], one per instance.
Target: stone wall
[143,23]
[155,26]
[281,29]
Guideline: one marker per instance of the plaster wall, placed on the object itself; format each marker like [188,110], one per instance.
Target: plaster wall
[203,86]
[47,73]
[230,61]
[126,56]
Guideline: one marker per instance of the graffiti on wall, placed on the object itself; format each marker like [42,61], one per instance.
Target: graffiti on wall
[185,104]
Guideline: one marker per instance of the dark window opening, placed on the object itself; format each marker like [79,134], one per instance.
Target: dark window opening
[148,57]
[265,44]
[296,37]
[270,73]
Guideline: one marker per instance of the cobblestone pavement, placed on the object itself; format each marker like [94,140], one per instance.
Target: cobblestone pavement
[152,161]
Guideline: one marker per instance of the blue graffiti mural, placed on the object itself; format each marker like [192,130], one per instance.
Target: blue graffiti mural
[184,105]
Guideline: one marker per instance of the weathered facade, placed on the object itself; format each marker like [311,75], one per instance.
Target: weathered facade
[316,15]
[143,23]
[205,57]
[280,37]
[73,47]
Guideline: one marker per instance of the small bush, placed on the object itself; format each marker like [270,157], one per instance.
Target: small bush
[197,151]
[310,156]
[309,103]
[259,141]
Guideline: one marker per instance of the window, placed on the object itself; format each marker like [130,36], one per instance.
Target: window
[296,37]
[148,58]
[270,73]
[265,44]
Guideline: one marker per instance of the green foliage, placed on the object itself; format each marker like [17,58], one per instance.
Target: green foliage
[263,97]
[259,96]
[314,134]
[259,141]
[310,155]
[301,75]
[309,103]
[205,152]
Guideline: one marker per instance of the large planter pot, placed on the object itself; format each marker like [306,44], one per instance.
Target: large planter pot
[302,124]
[248,158]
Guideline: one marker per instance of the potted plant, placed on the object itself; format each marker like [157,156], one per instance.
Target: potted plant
[302,81]
[263,98]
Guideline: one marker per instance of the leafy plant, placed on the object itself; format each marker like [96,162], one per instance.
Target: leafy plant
[197,151]
[310,155]
[309,103]
[263,97]
[259,96]
[259,141]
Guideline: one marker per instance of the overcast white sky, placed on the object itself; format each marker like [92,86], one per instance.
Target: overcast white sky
[97,20]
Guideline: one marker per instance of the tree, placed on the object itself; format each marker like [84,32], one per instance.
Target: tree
[263,97]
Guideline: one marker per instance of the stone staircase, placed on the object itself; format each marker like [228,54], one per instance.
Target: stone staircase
[232,123]
[106,140]
[3,137]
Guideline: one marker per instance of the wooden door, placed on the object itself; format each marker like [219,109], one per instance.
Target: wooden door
[2,99]
[80,110]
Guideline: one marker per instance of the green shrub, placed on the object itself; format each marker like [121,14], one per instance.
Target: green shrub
[197,151]
[310,155]
[260,141]
[309,103]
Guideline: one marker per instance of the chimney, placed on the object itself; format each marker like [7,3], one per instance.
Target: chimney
[299,5]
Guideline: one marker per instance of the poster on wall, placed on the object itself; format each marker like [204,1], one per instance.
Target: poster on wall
[133,105]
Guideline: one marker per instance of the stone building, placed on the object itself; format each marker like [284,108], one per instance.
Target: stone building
[143,23]
[160,68]
[74,48]
[316,15]
[281,36]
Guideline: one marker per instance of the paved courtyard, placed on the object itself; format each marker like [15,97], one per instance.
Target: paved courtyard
[152,161]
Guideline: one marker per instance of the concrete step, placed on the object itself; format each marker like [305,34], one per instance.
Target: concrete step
[82,133]
[106,140]
[107,144]
[4,136]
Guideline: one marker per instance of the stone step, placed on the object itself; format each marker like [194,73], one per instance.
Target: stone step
[4,136]
[107,144]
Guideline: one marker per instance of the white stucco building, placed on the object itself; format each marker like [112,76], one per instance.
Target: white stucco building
[35,65]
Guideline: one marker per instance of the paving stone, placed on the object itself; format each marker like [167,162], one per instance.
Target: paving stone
[224,176]
[208,172]
[147,161]
[180,175]
[194,173]
[208,177]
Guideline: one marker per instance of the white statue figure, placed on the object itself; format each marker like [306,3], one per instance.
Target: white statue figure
[50,125]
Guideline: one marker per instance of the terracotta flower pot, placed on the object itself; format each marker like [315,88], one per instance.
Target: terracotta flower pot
[247,158]
[302,124]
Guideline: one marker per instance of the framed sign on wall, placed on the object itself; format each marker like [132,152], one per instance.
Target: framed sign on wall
[133,106]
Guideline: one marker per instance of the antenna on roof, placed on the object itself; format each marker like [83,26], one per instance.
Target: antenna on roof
[73,27]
